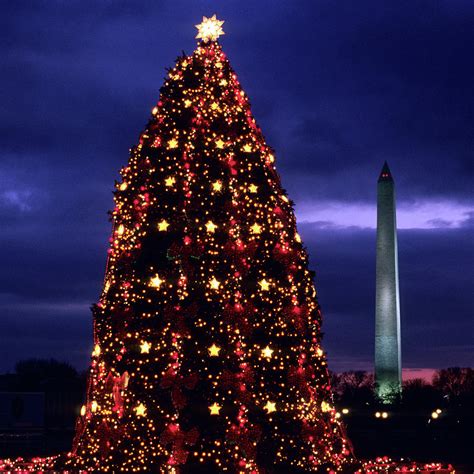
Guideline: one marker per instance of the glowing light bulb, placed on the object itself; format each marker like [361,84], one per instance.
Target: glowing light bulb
[96,351]
[325,406]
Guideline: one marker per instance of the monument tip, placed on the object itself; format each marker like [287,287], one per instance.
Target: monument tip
[385,174]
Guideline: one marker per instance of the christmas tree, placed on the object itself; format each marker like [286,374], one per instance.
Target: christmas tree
[207,354]
[207,335]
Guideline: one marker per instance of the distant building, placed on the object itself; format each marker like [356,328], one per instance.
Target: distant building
[388,366]
[37,403]
[21,411]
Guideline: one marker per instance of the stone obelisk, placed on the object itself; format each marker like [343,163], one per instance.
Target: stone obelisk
[388,368]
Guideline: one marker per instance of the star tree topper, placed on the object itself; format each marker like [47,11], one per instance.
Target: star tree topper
[210,29]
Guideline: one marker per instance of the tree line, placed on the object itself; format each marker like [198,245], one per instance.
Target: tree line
[451,387]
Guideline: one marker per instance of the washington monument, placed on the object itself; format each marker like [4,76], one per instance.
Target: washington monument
[388,367]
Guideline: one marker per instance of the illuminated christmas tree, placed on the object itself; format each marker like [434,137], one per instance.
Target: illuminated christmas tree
[207,353]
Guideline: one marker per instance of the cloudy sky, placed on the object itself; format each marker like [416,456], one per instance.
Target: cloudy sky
[338,86]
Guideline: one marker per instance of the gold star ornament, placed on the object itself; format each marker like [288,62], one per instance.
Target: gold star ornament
[140,410]
[220,143]
[170,181]
[215,409]
[163,226]
[267,352]
[214,350]
[270,407]
[156,281]
[145,347]
[217,186]
[211,227]
[210,29]
[215,283]
[256,229]
[173,143]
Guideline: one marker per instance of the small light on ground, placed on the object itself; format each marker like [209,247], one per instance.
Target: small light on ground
[435,415]
[345,411]
[377,415]
[384,415]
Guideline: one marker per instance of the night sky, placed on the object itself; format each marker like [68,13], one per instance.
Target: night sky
[337,88]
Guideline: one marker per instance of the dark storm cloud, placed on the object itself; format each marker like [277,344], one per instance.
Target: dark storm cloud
[336,87]
[370,82]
